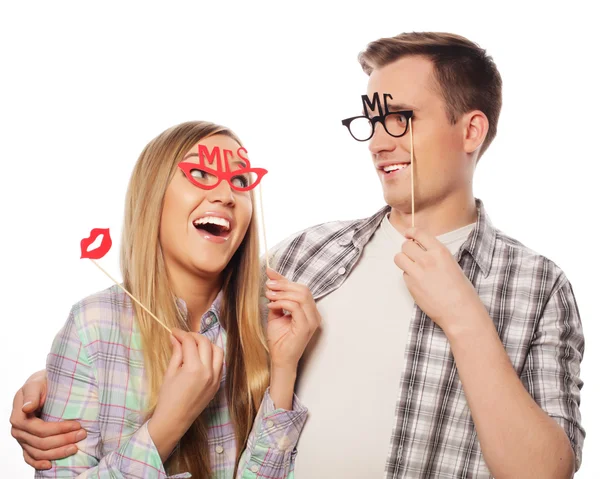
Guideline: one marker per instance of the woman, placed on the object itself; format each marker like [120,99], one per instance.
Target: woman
[215,404]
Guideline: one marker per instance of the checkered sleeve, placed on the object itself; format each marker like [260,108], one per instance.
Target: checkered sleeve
[271,447]
[73,393]
[552,369]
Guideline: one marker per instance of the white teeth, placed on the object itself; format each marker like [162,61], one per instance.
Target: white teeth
[397,166]
[213,220]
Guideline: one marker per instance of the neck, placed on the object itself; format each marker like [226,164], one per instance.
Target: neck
[198,291]
[438,217]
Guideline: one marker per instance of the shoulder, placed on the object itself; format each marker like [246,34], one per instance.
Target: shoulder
[102,316]
[511,253]
[317,236]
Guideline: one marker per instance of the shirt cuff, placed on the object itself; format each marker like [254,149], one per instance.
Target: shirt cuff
[279,428]
[141,454]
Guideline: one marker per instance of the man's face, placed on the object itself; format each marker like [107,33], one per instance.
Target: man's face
[442,166]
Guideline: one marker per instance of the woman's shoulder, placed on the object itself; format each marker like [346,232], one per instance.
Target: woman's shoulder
[106,315]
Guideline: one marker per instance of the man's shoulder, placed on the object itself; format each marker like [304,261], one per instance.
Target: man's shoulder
[317,234]
[512,253]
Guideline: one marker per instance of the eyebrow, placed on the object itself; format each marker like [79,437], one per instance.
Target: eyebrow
[394,107]
[400,107]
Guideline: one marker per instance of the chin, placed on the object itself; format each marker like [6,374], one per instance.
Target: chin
[397,200]
[209,266]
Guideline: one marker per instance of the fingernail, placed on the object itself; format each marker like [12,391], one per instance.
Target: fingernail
[26,404]
[271,293]
[80,435]
[72,450]
[271,282]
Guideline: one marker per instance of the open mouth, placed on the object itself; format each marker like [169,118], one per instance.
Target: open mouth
[389,169]
[214,226]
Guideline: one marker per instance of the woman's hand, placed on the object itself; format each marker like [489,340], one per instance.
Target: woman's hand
[191,381]
[288,334]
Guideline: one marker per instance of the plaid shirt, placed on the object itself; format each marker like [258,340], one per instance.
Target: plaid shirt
[532,306]
[96,376]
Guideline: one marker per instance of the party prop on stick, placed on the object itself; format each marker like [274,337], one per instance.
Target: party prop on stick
[396,121]
[99,252]
[205,176]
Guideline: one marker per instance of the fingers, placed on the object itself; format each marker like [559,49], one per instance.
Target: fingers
[274,275]
[39,465]
[52,454]
[304,299]
[413,250]
[48,443]
[428,241]
[176,358]
[289,295]
[405,264]
[190,352]
[205,350]
[217,364]
[36,427]
[196,348]
[282,284]
[299,318]
[34,392]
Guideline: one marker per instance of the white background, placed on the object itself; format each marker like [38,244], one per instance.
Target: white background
[84,87]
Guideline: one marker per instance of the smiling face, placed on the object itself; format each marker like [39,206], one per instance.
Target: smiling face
[442,164]
[201,229]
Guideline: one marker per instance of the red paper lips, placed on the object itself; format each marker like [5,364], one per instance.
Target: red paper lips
[101,250]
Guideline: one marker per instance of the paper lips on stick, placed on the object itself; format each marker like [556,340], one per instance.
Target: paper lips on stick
[100,252]
[102,249]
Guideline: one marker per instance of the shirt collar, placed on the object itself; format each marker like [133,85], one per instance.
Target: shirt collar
[479,244]
[210,318]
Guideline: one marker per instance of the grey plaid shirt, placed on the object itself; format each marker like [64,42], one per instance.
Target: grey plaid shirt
[535,313]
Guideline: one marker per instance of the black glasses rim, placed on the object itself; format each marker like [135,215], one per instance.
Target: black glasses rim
[408,114]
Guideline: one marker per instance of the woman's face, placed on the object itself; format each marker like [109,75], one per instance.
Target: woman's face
[201,229]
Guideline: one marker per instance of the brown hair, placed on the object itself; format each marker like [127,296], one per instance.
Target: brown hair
[467,78]
[145,276]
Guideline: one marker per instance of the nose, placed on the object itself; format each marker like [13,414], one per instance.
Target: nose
[381,142]
[222,193]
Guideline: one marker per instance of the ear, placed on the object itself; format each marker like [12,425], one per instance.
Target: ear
[476,129]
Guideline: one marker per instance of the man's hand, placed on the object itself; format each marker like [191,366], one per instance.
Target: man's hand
[436,281]
[41,441]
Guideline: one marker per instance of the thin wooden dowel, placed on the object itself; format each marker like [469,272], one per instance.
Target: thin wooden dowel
[412,173]
[262,217]
[131,296]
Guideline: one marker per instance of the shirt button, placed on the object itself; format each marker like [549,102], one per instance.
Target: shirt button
[270,423]
[219,449]
[342,270]
[254,468]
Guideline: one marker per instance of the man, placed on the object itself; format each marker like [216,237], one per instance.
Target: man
[449,350]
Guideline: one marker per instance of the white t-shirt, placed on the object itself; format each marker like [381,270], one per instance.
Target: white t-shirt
[349,376]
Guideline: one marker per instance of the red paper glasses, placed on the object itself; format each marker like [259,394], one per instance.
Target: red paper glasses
[207,178]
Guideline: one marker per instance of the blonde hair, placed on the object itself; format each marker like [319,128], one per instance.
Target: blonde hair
[145,276]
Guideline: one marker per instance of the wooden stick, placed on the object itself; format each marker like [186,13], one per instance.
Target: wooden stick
[130,295]
[412,173]
[262,216]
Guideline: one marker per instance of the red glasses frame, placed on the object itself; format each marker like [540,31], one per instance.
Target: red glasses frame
[222,173]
